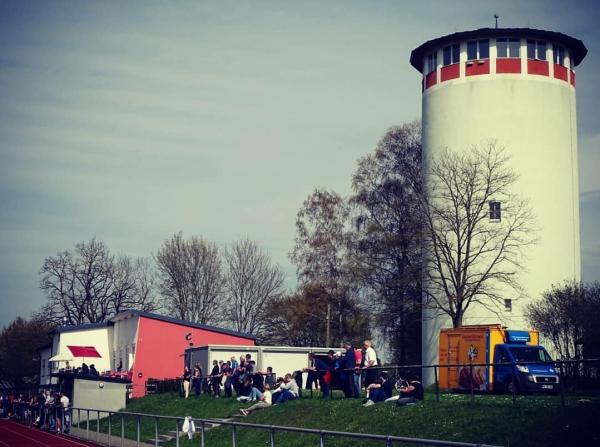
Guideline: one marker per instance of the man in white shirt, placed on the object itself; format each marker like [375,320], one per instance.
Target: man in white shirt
[370,363]
[288,390]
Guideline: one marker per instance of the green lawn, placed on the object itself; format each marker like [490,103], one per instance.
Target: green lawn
[532,421]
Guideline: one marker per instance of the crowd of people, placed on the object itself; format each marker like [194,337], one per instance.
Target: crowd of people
[48,409]
[351,370]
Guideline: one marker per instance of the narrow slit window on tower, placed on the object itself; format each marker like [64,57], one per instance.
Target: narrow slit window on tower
[559,55]
[451,54]
[432,62]
[495,211]
[536,49]
[478,49]
[506,47]
[508,305]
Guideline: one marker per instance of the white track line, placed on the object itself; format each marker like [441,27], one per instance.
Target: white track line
[4,443]
[62,438]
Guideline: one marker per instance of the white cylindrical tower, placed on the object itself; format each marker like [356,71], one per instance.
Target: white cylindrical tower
[515,86]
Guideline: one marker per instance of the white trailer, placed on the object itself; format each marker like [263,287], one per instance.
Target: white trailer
[283,359]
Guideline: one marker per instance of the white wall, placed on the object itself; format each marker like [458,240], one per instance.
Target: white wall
[99,395]
[45,366]
[98,338]
[124,336]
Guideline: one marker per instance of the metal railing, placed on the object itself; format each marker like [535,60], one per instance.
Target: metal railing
[271,430]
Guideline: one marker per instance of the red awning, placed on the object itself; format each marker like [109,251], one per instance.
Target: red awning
[84,351]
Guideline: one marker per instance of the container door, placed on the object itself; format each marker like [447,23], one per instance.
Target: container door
[453,356]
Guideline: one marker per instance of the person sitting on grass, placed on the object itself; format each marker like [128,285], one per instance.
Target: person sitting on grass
[411,394]
[264,401]
[380,391]
[288,390]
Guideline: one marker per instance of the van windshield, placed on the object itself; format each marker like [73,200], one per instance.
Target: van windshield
[530,354]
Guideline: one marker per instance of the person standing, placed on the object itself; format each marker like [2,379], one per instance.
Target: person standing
[215,379]
[197,378]
[358,363]
[187,374]
[370,363]
[347,370]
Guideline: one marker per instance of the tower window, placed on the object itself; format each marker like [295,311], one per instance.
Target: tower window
[451,54]
[536,49]
[508,47]
[508,305]
[478,49]
[432,62]
[495,211]
[559,55]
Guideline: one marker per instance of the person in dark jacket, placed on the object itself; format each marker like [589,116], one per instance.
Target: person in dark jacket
[347,364]
[411,394]
[215,379]
[380,391]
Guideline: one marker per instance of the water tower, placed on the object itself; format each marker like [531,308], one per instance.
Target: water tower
[515,86]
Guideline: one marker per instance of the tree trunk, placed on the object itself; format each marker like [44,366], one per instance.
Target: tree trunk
[328,328]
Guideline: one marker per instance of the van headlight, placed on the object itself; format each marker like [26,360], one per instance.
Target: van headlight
[523,368]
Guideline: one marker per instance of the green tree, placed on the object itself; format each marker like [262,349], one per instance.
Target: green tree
[19,343]
[384,243]
[297,320]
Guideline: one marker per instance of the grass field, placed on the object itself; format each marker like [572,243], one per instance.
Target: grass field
[532,421]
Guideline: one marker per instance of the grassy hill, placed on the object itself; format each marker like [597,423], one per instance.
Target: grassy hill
[532,421]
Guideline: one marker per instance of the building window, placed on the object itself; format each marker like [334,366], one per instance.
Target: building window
[508,305]
[559,55]
[495,211]
[451,54]
[508,47]
[478,49]
[432,62]
[536,49]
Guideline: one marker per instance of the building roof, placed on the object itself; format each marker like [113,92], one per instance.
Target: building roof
[81,327]
[575,45]
[153,316]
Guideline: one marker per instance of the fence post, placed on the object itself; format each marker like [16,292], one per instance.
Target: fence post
[155,432]
[176,433]
[514,388]
[87,425]
[109,428]
[273,433]
[202,433]
[122,429]
[62,419]
[437,384]
[97,425]
[562,385]
[78,419]
[388,442]
[138,432]
[233,435]
[321,439]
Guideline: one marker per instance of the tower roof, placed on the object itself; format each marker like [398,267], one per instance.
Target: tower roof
[575,45]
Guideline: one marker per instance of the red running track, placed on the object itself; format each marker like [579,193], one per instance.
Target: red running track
[13,434]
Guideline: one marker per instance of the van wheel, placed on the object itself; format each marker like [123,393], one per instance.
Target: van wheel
[512,387]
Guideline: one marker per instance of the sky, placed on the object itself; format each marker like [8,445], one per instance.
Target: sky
[131,121]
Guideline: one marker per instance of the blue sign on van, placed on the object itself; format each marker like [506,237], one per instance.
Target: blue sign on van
[517,337]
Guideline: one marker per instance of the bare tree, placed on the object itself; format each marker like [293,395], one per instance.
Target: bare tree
[252,283]
[90,285]
[385,240]
[474,253]
[190,278]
